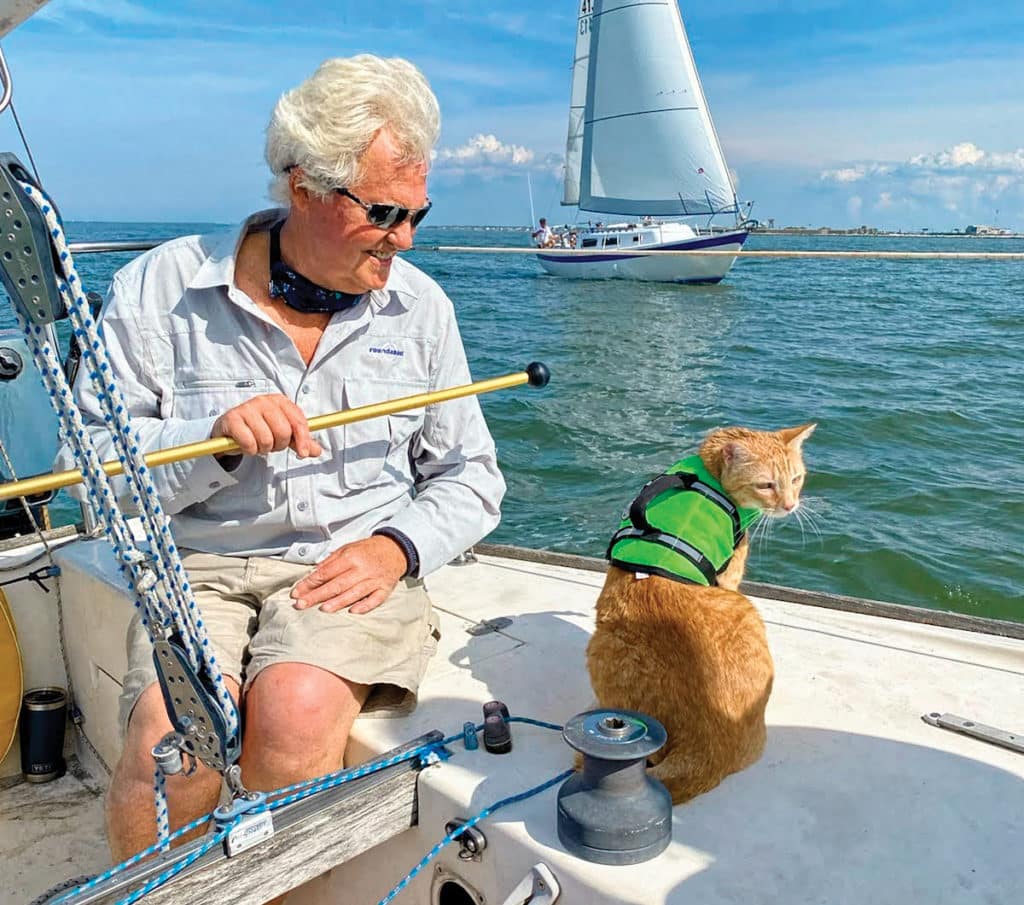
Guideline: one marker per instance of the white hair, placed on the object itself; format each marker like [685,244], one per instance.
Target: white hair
[326,124]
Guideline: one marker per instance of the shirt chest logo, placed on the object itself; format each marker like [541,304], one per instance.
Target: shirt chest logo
[386,350]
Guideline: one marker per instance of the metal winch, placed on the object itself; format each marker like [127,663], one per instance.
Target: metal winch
[612,812]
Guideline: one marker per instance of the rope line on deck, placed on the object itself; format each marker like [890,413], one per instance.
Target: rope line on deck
[473,821]
[428,753]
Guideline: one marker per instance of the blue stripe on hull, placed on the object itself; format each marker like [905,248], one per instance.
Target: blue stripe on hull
[686,245]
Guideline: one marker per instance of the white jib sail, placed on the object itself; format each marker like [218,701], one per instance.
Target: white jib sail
[649,146]
[577,103]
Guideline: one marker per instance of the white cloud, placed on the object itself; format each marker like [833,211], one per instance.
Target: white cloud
[967,155]
[846,174]
[485,153]
[855,173]
[964,179]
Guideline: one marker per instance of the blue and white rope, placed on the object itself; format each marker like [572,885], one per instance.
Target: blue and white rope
[431,752]
[176,868]
[473,821]
[163,826]
[158,579]
[112,872]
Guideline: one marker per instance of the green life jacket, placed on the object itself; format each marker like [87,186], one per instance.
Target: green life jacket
[681,526]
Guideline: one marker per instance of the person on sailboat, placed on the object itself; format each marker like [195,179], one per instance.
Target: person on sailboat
[545,236]
[306,554]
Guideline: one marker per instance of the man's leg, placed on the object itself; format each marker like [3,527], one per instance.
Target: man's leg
[131,819]
[297,721]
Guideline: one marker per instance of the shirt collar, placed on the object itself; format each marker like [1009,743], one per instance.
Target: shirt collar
[219,267]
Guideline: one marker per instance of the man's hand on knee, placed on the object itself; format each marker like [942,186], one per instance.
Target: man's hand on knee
[360,575]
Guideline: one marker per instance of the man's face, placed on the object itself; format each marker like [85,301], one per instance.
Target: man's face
[350,253]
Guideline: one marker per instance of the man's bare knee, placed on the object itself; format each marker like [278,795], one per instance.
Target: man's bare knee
[297,722]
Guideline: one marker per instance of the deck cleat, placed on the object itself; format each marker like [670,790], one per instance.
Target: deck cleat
[612,812]
[497,732]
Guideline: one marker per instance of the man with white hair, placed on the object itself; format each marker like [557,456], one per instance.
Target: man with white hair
[306,554]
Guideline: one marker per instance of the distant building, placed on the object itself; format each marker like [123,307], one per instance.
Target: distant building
[986,231]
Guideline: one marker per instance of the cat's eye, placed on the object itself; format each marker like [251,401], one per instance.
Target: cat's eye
[765,485]
[797,478]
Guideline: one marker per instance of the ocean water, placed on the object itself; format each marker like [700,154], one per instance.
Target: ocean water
[912,370]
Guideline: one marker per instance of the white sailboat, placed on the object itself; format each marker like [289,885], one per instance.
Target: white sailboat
[641,145]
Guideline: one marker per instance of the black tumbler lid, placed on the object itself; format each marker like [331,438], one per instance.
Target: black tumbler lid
[49,698]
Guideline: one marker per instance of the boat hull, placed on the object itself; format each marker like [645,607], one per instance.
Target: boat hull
[600,265]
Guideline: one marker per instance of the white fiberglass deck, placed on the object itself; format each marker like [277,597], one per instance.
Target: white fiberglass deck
[855,800]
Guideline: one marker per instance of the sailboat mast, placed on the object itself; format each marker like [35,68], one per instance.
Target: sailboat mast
[529,188]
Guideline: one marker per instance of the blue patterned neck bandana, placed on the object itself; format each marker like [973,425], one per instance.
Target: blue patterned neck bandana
[300,293]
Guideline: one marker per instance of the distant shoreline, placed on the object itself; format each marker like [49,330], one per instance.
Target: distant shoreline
[879,233]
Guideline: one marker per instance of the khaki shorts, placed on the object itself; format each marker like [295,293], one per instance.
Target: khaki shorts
[251,624]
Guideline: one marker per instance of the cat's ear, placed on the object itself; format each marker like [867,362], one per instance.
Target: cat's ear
[735,453]
[795,436]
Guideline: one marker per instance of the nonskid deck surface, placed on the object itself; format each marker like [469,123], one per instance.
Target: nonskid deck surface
[855,799]
[49,833]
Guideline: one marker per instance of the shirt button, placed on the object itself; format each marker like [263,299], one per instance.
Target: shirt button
[301,506]
[214,485]
[302,551]
[307,389]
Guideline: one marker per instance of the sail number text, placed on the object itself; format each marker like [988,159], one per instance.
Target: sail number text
[586,8]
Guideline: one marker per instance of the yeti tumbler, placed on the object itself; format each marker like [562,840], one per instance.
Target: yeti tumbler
[44,713]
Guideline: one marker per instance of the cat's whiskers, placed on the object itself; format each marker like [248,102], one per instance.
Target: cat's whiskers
[801,521]
[809,517]
[762,530]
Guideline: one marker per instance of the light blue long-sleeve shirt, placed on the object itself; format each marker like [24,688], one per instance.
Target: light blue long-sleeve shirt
[186,344]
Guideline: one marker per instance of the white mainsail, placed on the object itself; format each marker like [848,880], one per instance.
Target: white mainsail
[577,103]
[649,146]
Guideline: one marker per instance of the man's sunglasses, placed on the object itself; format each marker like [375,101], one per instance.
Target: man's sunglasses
[387,216]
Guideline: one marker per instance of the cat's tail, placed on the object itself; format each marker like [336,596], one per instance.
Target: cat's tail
[686,776]
[681,779]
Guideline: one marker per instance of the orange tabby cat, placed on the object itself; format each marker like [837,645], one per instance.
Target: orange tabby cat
[696,658]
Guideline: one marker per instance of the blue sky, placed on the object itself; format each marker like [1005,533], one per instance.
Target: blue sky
[896,114]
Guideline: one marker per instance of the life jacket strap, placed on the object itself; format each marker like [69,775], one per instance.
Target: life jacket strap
[682,480]
[675,544]
[651,491]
